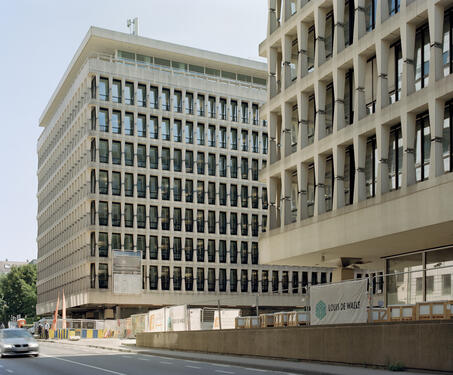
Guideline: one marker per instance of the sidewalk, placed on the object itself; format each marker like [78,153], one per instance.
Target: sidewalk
[295,367]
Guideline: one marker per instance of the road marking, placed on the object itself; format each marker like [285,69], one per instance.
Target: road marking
[166,362]
[224,372]
[84,364]
[189,366]
[254,369]
[142,359]
[220,365]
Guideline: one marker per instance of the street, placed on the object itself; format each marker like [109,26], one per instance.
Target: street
[67,359]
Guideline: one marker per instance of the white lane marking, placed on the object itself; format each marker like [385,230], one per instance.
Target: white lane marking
[189,366]
[166,362]
[84,364]
[220,365]
[254,369]
[142,359]
[225,372]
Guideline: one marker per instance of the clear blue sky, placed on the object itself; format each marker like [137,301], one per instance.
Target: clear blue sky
[38,40]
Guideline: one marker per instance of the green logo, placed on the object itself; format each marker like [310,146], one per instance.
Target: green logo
[320,310]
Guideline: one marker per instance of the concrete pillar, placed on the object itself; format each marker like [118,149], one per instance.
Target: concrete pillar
[286,57]
[320,100]
[286,198]
[408,134]
[271,66]
[359,20]
[302,40]
[338,191]
[338,87]
[359,78]
[286,10]
[436,121]
[382,12]
[436,22]
[320,173]
[302,181]
[338,36]
[408,52]
[320,29]
[286,129]
[302,108]
[359,158]
[382,58]
[382,139]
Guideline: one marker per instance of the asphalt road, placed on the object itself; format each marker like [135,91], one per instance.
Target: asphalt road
[71,360]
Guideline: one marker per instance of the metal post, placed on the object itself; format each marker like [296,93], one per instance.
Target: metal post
[257,306]
[220,316]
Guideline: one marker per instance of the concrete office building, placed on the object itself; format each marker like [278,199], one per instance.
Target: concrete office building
[360,141]
[153,149]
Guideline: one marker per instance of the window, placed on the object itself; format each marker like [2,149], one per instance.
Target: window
[116,183]
[128,215]
[189,161]
[200,162]
[141,216]
[165,278]
[447,43]
[264,201]
[141,156]
[211,107]
[233,195]
[295,282]
[244,196]
[222,222]
[245,112]
[189,103]
[141,95]
[394,7]
[200,134]
[222,137]
[153,128]
[177,278]
[222,280]
[211,193]
[370,85]
[129,124]
[211,136]
[211,251]
[103,277]
[311,184]
[200,105]
[200,192]
[153,157]
[104,88]
[165,188]
[330,27]
[422,147]
[254,169]
[244,168]
[153,187]
[188,278]
[116,122]
[234,110]
[234,139]
[265,143]
[311,48]
[93,150]
[211,222]
[255,146]
[165,248]
[103,244]
[233,252]
[275,281]
[222,194]
[103,213]
[153,97]
[165,128]
[233,280]
[233,167]
[165,159]
[153,277]
[395,157]
[244,281]
[189,191]
[349,97]
[129,184]
[244,140]
[177,219]
[395,72]
[264,281]
[188,249]
[177,102]
[447,138]
[422,54]
[129,93]
[244,225]
[285,282]
[177,248]
[189,132]
[311,119]
[153,217]
[330,107]
[329,179]
[254,197]
[103,182]
[128,242]
[244,252]
[177,160]
[93,89]
[211,165]
[255,114]
[116,214]
[200,221]
[371,167]
[116,241]
[177,135]
[255,225]
[141,245]
[370,14]
[200,279]
[222,166]
[348,23]
[103,120]
[223,109]
[233,223]
[129,154]
[93,244]
[141,125]
[166,99]
[349,175]
[177,189]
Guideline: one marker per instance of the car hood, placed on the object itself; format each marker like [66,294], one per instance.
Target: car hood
[18,341]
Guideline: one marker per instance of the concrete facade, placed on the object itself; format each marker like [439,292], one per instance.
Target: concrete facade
[359,126]
[154,147]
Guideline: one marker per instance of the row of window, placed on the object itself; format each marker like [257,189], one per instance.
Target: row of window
[214,137]
[203,250]
[215,164]
[270,281]
[126,218]
[140,189]
[148,96]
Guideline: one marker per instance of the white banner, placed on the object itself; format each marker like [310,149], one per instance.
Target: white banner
[176,318]
[340,303]
[228,319]
[156,320]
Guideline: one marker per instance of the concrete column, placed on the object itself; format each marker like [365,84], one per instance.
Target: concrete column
[382,12]
[286,198]
[320,100]
[302,108]
[408,52]
[286,129]
[359,158]
[272,121]
[302,180]
[302,40]
[436,22]
[272,19]
[338,36]
[320,173]
[286,57]
[408,134]
[382,139]
[359,78]
[338,87]
[359,20]
[382,58]
[320,30]
[272,195]
[338,191]
[436,120]
[286,10]
[271,66]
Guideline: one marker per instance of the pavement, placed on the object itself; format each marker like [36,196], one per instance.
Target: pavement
[257,363]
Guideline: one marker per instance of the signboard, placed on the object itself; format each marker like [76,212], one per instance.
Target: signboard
[127,278]
[176,318]
[340,303]
[228,319]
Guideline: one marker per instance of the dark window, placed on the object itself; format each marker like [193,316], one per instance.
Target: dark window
[153,277]
[222,222]
[103,244]
[211,165]
[254,170]
[234,139]
[244,225]
[103,213]
[211,192]
[177,219]
[165,159]
[295,282]
[93,88]
[188,278]
[189,161]
[189,191]
[222,194]
[200,279]
[349,97]
[103,151]
[153,157]
[233,252]
[141,156]
[447,138]
[233,195]
[153,187]
[200,191]
[129,184]
[222,251]
[141,186]
[177,248]
[165,218]
[200,221]
[141,245]
[422,55]
[233,167]
[254,253]
[141,216]
[233,280]
[264,281]
[116,214]
[129,154]
[371,167]
[275,281]
[285,282]
[103,277]
[349,175]
[395,157]
[165,278]
[166,188]
[244,252]
[177,189]
[422,147]
[200,162]
[177,160]
[233,223]
[165,248]
[153,217]
[177,278]
[116,153]
[395,94]
[189,220]
[116,241]
[128,242]
[370,14]
[188,249]
[244,196]
[255,225]
[349,22]
[222,280]
[329,35]
[244,168]
[211,222]
[211,251]
[244,281]
[128,215]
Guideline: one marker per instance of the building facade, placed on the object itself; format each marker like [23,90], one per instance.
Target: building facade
[359,110]
[148,182]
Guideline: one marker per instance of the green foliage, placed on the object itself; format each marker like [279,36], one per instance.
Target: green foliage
[18,292]
[397,366]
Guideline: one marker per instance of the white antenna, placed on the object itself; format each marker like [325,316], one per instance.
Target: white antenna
[134,22]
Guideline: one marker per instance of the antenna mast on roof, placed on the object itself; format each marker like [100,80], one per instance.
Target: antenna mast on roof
[134,22]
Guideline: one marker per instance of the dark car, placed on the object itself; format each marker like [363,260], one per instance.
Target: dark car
[17,341]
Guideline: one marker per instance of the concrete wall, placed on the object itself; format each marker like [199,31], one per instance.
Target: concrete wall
[419,345]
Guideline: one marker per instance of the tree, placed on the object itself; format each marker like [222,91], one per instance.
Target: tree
[18,292]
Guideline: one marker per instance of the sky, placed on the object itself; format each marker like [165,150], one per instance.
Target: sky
[38,40]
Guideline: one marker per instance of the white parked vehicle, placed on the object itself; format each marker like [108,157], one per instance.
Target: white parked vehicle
[17,341]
